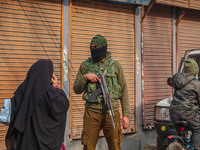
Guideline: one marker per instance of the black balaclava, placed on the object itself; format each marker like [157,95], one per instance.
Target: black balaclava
[100,52]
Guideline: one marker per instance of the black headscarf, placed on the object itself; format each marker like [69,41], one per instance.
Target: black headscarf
[38,111]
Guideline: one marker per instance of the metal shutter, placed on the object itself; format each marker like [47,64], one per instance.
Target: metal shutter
[188,33]
[116,23]
[192,4]
[29,30]
[180,3]
[157,59]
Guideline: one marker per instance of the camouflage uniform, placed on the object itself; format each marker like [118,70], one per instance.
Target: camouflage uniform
[185,104]
[96,116]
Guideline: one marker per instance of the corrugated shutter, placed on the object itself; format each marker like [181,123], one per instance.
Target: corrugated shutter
[157,59]
[181,3]
[116,23]
[193,4]
[188,33]
[140,2]
[29,30]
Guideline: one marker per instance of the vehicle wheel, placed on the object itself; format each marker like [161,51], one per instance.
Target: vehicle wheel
[174,146]
[159,145]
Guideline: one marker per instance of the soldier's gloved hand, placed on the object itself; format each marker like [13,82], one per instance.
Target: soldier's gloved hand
[92,77]
[125,122]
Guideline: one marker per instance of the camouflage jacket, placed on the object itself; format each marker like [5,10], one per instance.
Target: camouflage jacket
[81,83]
[186,97]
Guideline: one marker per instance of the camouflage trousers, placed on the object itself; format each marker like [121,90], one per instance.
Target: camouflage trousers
[93,123]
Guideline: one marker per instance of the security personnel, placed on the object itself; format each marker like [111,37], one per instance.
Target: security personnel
[96,116]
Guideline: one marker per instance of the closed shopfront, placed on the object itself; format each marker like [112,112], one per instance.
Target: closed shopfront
[157,59]
[117,23]
[29,30]
[191,4]
[188,32]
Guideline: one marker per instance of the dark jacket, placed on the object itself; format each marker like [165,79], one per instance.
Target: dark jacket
[185,103]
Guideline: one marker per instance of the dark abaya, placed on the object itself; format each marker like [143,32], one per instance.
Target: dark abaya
[38,112]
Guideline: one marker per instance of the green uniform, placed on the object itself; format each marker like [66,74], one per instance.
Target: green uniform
[81,82]
[118,90]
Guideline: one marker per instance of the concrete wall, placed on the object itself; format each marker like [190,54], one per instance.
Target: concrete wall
[135,141]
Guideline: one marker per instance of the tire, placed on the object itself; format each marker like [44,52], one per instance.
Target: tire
[174,146]
[159,145]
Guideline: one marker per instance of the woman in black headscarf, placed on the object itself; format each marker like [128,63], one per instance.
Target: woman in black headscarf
[38,111]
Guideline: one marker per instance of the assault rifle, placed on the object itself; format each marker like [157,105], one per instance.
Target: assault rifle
[106,96]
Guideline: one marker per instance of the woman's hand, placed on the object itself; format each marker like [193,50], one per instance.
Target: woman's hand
[54,80]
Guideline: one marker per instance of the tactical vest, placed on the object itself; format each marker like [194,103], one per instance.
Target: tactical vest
[111,79]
